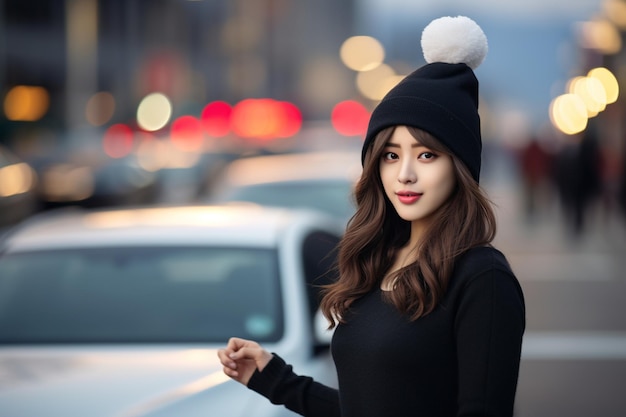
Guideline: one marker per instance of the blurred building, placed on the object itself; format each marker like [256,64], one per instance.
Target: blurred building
[193,51]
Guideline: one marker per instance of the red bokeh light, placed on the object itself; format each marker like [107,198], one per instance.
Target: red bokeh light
[117,141]
[187,133]
[253,118]
[292,119]
[265,119]
[350,118]
[216,117]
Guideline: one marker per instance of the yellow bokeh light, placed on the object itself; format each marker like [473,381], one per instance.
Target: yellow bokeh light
[571,84]
[100,108]
[154,112]
[390,82]
[592,92]
[608,80]
[568,113]
[65,182]
[26,103]
[601,35]
[615,10]
[375,84]
[16,179]
[362,53]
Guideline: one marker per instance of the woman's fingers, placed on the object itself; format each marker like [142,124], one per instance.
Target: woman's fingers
[228,355]
[251,353]
[243,349]
[235,343]
[225,360]
[242,357]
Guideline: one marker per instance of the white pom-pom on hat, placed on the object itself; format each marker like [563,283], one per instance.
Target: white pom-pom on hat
[454,40]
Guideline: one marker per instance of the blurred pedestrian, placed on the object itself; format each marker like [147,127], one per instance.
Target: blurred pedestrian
[428,315]
[536,169]
[610,168]
[578,180]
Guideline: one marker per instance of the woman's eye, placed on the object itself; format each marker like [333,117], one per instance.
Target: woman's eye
[390,155]
[427,155]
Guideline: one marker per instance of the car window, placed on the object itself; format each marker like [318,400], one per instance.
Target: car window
[140,295]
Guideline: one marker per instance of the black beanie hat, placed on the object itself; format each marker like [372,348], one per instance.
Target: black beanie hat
[442,96]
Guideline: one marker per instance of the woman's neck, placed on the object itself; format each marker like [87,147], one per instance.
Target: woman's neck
[403,257]
[417,231]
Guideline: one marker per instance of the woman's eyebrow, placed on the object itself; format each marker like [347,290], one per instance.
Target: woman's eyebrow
[395,145]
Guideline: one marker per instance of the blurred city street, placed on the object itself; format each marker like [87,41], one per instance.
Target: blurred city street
[147,103]
[574,354]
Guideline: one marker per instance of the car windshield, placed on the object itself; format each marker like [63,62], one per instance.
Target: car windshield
[140,295]
[331,197]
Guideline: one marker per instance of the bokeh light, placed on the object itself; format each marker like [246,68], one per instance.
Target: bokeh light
[376,83]
[362,53]
[350,118]
[26,103]
[215,118]
[600,35]
[154,112]
[187,133]
[68,182]
[118,140]
[16,179]
[254,118]
[608,80]
[591,91]
[265,119]
[568,113]
[291,119]
[100,108]
[615,10]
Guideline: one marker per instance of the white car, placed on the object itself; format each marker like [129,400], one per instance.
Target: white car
[120,313]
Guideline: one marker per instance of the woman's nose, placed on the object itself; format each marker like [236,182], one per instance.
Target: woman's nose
[407,174]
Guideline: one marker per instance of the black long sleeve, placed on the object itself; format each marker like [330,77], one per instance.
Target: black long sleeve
[460,360]
[300,394]
[489,323]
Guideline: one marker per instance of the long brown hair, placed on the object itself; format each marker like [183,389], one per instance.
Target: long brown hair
[376,232]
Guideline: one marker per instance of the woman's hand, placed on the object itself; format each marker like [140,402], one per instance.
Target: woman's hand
[242,357]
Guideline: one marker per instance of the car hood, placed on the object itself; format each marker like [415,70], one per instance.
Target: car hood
[115,382]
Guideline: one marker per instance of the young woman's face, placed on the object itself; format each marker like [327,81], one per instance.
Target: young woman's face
[416,179]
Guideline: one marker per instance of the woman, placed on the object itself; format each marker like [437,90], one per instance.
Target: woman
[428,316]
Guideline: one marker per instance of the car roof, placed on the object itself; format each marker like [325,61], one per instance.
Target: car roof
[302,166]
[238,225]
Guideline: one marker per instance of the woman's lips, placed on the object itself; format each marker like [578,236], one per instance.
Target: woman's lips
[408,197]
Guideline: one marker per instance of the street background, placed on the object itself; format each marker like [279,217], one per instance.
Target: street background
[574,354]
[84,83]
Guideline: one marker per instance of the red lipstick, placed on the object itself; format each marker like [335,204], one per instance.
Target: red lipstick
[408,197]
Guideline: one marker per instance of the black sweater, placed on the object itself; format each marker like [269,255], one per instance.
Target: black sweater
[460,360]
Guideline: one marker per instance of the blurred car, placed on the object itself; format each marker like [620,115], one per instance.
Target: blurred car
[75,169]
[120,312]
[317,180]
[93,180]
[17,188]
[185,177]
